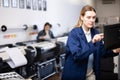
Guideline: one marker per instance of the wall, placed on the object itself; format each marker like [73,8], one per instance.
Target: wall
[63,12]
[107,11]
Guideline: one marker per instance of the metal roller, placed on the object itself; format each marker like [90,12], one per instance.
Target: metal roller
[4,28]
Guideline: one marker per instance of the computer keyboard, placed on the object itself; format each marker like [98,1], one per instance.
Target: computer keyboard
[10,76]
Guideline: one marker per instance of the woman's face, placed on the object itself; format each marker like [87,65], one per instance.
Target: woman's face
[89,19]
[47,27]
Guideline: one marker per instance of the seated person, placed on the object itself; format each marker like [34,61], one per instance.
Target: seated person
[46,33]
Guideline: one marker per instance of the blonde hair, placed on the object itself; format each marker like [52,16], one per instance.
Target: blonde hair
[82,13]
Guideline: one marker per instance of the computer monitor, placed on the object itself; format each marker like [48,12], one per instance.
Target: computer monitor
[112,36]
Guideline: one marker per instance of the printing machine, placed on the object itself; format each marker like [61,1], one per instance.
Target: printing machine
[61,56]
[44,62]
[6,70]
[45,50]
[43,59]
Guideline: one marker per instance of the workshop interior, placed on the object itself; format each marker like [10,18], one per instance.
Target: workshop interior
[22,57]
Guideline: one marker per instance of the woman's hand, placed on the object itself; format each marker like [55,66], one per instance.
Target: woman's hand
[116,50]
[42,37]
[97,37]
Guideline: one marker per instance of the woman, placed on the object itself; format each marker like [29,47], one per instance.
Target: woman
[84,49]
[46,33]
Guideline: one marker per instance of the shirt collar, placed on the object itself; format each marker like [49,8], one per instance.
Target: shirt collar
[86,32]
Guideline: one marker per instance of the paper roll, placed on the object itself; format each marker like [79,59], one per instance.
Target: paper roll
[17,58]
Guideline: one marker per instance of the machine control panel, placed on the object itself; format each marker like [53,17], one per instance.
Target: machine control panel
[10,76]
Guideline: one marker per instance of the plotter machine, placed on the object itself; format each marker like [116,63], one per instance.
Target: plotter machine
[46,62]
[42,59]
[12,60]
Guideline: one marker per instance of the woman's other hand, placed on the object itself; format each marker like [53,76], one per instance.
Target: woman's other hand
[116,50]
